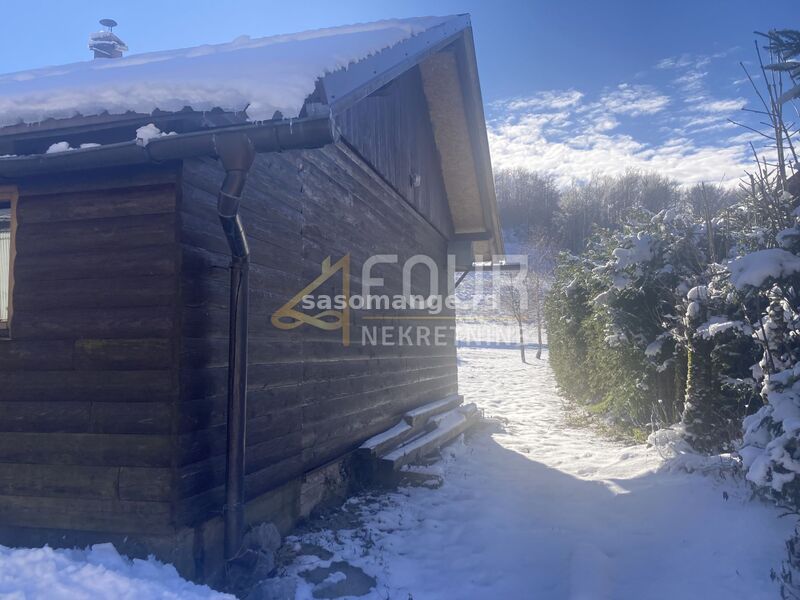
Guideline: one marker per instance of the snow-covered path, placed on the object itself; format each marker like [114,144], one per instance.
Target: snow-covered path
[543,510]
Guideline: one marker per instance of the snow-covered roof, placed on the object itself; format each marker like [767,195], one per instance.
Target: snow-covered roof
[64,118]
[263,75]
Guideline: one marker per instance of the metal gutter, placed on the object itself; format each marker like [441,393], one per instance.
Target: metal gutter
[268,136]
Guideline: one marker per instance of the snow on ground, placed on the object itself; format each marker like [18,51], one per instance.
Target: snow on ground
[540,509]
[529,508]
[500,333]
[98,572]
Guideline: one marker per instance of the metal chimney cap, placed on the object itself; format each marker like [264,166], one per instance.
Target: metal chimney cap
[106,44]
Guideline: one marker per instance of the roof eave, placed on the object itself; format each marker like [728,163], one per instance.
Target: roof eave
[483,159]
[345,87]
[270,136]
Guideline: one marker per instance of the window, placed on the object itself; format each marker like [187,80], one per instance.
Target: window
[5,260]
[8,201]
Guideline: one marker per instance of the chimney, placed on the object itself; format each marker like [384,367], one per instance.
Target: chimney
[105,44]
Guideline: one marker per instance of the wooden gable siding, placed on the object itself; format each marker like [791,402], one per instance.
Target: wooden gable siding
[391,130]
[310,399]
[88,379]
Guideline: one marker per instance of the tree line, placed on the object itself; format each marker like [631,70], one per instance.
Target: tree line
[536,211]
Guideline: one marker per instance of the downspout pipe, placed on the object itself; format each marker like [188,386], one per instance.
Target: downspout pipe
[236,152]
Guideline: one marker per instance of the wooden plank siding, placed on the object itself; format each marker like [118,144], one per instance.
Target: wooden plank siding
[310,398]
[113,383]
[391,129]
[88,378]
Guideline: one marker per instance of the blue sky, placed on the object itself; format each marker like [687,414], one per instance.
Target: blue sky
[571,87]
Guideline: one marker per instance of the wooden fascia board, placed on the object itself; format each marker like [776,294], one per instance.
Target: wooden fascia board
[476,119]
[345,87]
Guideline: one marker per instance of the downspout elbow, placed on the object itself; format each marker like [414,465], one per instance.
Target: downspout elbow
[236,152]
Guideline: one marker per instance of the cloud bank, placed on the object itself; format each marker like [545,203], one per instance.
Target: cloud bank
[678,127]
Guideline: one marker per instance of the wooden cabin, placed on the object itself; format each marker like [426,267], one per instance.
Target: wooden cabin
[117,230]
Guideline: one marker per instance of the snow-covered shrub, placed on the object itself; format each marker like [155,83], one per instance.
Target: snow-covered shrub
[567,312]
[720,352]
[771,450]
[771,445]
[768,279]
[611,315]
[657,330]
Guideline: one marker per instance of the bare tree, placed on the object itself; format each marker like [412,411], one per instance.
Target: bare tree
[777,160]
[541,251]
[607,201]
[527,200]
[522,295]
[514,295]
[538,298]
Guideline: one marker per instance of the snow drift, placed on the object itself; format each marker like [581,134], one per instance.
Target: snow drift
[96,573]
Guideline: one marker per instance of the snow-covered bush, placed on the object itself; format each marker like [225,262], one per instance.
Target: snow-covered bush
[658,330]
[767,280]
[770,449]
[611,316]
[771,445]
[720,351]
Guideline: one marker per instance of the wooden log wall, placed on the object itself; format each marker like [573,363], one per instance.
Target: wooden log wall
[113,382]
[310,398]
[88,378]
